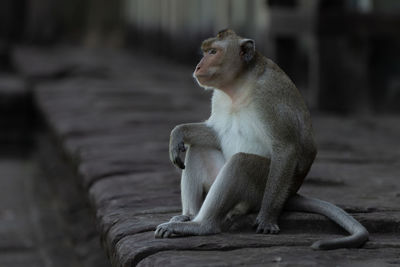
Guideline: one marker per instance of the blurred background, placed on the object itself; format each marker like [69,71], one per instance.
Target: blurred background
[83,80]
[342,54]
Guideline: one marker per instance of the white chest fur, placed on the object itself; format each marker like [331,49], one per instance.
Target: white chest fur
[238,128]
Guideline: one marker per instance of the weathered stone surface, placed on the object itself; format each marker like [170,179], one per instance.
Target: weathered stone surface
[63,219]
[133,249]
[276,256]
[371,186]
[31,230]
[114,132]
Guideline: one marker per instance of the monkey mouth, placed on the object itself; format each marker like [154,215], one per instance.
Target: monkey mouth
[197,80]
[199,76]
[197,73]
[200,80]
[202,75]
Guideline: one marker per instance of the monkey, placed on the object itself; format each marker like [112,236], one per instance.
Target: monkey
[254,151]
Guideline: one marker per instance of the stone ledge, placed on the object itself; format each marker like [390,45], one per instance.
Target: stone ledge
[114,132]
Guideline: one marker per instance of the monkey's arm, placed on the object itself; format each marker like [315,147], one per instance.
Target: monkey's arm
[193,134]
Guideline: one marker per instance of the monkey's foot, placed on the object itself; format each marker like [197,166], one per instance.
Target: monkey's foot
[164,230]
[180,218]
[170,229]
[266,226]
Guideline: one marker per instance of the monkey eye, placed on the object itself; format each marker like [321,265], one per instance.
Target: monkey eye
[212,51]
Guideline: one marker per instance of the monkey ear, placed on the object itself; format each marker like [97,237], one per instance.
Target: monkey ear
[247,49]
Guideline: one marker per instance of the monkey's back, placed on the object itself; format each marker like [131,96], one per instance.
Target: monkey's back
[284,110]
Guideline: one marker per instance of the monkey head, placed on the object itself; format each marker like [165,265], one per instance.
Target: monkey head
[225,57]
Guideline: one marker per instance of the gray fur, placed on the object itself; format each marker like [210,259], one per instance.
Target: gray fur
[217,184]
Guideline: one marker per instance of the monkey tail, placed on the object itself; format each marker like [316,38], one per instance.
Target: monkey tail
[359,235]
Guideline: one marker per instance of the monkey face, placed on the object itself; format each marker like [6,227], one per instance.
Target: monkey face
[224,58]
[207,69]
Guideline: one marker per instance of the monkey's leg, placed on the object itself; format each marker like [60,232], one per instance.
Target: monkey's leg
[202,167]
[280,186]
[240,183]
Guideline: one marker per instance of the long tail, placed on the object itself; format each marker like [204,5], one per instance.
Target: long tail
[359,235]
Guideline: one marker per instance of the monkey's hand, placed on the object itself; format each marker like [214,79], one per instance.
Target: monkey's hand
[265,225]
[176,148]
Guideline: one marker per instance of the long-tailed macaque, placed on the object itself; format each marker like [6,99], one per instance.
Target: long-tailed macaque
[254,151]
